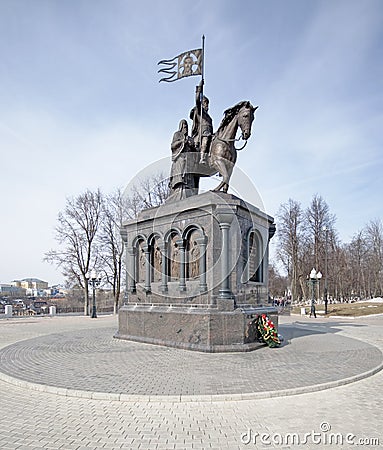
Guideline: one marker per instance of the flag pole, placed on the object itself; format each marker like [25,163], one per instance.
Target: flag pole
[201,93]
[203,56]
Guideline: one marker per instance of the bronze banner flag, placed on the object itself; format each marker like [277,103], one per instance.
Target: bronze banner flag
[184,65]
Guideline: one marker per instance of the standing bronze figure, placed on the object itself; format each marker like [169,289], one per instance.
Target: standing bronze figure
[202,130]
[183,183]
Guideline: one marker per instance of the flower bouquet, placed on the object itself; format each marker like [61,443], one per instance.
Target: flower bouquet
[267,331]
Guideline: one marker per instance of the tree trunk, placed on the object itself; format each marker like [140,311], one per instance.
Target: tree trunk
[86,298]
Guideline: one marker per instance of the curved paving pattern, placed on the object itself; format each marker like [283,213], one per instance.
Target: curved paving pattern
[35,420]
[92,361]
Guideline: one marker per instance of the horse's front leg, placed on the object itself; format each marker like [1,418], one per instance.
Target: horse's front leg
[220,165]
[221,185]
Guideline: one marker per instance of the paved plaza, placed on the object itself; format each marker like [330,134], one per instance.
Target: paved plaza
[66,383]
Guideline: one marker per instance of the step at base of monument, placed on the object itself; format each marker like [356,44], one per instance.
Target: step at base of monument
[191,328]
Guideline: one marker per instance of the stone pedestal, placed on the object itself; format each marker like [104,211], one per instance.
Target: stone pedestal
[197,273]
[202,329]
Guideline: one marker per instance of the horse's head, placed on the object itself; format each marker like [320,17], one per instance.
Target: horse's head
[245,118]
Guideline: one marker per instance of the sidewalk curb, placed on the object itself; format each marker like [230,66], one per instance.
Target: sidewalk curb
[211,398]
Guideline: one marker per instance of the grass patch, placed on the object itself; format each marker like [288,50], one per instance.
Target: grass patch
[346,309]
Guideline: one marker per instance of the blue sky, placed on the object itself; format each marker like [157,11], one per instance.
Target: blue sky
[81,106]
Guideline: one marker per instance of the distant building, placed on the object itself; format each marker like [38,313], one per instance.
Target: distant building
[32,286]
[8,290]
[31,283]
[57,291]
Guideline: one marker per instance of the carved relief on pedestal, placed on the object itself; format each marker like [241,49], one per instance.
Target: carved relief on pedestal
[255,258]
[156,261]
[193,256]
[174,258]
[141,261]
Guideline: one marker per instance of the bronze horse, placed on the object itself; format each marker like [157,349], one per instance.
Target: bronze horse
[223,153]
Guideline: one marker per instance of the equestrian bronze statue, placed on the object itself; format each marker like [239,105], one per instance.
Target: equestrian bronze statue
[206,153]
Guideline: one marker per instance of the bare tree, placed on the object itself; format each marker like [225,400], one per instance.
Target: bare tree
[118,207]
[309,239]
[290,234]
[148,192]
[302,240]
[356,252]
[374,240]
[115,209]
[361,269]
[278,284]
[76,231]
[319,218]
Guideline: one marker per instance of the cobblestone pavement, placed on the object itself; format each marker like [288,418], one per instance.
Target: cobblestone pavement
[91,360]
[41,420]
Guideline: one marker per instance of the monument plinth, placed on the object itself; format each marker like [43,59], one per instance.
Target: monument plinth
[197,274]
[197,266]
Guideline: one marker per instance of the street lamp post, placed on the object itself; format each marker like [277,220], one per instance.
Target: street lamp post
[314,279]
[326,230]
[94,280]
